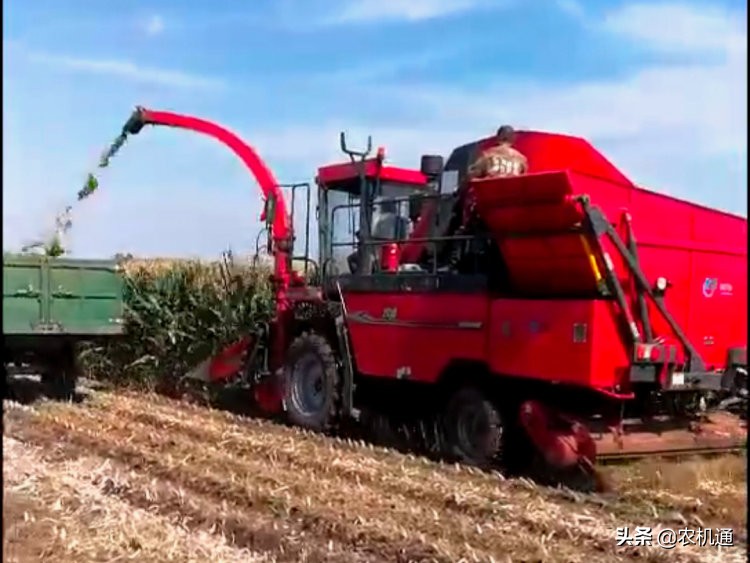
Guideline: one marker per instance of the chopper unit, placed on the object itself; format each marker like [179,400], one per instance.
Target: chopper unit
[541,331]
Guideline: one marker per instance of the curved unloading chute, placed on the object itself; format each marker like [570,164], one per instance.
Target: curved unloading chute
[281,226]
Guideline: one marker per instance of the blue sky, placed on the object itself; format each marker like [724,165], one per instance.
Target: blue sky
[660,88]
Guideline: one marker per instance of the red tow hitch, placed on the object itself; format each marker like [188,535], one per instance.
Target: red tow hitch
[563,441]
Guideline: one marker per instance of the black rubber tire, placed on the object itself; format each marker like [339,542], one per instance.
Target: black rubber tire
[60,376]
[487,437]
[312,348]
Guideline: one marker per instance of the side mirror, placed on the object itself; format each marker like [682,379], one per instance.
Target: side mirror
[431,165]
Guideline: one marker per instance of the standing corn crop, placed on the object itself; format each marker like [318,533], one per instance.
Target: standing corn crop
[177,314]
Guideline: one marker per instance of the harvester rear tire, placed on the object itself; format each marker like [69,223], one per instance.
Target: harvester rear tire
[311,391]
[476,441]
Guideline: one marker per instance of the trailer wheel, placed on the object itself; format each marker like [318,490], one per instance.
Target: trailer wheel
[60,375]
[311,382]
[473,428]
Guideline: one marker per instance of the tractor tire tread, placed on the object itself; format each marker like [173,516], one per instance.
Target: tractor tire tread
[491,458]
[322,421]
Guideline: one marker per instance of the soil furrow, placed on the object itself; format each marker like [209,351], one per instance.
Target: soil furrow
[292,495]
[403,485]
[346,502]
[355,532]
[71,517]
[247,529]
[423,482]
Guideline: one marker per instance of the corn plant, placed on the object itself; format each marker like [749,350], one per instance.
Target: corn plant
[177,314]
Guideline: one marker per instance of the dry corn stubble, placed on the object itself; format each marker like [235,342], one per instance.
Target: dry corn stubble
[197,473]
[638,499]
[713,490]
[480,498]
[197,513]
[241,485]
[202,514]
[60,512]
[557,529]
[368,455]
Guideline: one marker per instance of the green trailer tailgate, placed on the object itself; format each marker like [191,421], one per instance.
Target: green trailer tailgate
[24,303]
[61,296]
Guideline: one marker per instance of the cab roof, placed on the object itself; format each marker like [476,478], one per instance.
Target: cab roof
[374,168]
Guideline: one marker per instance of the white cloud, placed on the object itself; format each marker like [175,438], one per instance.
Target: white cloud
[128,70]
[154,25]
[572,8]
[411,10]
[681,28]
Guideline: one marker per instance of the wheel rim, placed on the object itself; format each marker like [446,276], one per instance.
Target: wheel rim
[308,385]
[475,433]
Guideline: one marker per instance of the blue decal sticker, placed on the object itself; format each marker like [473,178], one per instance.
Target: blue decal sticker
[709,286]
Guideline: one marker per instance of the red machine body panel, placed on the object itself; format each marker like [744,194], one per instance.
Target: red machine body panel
[420,332]
[702,252]
[573,342]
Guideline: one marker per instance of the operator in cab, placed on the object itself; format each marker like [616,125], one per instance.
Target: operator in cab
[501,159]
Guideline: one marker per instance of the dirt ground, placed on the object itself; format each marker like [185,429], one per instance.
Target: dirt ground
[143,478]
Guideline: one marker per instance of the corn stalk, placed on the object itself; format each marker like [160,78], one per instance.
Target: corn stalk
[177,314]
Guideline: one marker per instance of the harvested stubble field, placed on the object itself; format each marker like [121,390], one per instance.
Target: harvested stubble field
[125,476]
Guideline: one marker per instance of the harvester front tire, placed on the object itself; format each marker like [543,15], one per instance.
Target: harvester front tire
[311,388]
[473,428]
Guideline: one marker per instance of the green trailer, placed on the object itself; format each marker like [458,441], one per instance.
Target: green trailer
[50,305]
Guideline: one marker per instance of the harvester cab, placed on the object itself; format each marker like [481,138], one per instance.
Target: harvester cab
[366,210]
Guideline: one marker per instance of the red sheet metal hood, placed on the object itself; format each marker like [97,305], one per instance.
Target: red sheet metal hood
[552,152]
